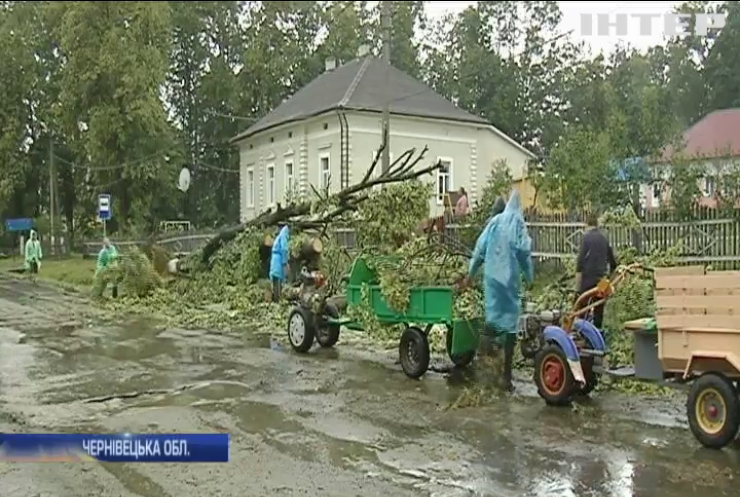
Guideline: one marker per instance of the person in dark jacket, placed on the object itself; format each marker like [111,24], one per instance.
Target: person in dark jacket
[595,260]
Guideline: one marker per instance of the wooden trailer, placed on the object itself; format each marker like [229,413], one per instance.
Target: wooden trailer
[697,340]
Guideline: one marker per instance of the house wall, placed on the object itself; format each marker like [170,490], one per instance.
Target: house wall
[299,144]
[471,151]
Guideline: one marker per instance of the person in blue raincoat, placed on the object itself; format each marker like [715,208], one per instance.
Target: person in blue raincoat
[504,248]
[279,262]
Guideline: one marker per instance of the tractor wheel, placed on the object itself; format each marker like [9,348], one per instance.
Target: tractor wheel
[301,329]
[553,377]
[327,334]
[713,409]
[592,379]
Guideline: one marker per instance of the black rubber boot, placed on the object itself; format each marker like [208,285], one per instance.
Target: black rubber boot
[509,346]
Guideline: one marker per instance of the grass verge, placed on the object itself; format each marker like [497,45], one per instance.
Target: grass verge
[70,271]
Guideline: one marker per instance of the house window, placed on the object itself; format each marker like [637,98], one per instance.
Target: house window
[250,187]
[324,171]
[708,186]
[444,179]
[655,198]
[289,178]
[270,170]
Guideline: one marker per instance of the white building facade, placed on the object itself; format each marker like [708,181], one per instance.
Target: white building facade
[284,158]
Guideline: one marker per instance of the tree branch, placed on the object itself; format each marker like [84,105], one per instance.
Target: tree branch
[346,200]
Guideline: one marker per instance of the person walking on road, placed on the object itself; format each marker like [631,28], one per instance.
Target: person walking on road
[106,256]
[33,256]
[505,251]
[595,260]
[279,262]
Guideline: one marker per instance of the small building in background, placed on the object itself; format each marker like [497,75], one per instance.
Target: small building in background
[713,144]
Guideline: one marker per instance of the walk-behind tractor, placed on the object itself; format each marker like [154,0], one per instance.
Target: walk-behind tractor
[428,306]
[568,350]
[694,338]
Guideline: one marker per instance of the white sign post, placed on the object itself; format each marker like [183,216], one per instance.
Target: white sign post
[104,209]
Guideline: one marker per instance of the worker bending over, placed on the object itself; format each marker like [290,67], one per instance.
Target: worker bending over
[505,250]
[106,256]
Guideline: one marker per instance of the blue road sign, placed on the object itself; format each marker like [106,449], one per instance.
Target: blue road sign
[19,224]
[104,206]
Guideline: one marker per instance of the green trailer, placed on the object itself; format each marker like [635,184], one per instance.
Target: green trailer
[428,306]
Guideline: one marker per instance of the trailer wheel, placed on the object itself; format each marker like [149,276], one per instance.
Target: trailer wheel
[553,377]
[301,329]
[327,334]
[414,352]
[459,360]
[713,409]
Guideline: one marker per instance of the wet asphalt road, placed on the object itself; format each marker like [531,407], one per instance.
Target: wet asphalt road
[343,422]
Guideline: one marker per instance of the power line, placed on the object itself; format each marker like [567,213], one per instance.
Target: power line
[233,116]
[114,167]
[204,165]
[477,72]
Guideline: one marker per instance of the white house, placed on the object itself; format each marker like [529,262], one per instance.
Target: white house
[329,132]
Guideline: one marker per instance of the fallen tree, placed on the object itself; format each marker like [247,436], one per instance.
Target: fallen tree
[326,207]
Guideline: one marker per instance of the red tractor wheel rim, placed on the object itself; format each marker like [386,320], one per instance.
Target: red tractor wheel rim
[552,374]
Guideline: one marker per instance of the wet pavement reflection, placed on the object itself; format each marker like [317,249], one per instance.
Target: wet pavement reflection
[341,422]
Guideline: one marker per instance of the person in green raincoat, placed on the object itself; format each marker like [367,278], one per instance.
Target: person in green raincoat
[106,256]
[33,253]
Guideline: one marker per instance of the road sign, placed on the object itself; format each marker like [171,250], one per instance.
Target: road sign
[104,206]
[19,224]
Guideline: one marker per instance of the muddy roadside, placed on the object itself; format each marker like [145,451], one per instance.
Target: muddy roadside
[340,422]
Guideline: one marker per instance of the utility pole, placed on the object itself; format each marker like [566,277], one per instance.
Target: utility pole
[51,193]
[385,22]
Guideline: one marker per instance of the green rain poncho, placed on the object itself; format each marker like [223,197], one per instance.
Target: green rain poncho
[105,257]
[33,251]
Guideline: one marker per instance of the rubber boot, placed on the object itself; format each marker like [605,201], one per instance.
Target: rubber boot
[506,377]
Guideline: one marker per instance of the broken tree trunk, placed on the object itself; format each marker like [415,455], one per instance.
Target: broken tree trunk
[299,214]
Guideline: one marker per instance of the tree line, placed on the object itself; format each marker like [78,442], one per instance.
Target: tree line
[119,96]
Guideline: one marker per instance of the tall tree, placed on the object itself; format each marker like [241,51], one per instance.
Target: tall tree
[116,57]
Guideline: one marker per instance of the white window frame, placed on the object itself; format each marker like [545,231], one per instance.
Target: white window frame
[323,182]
[289,178]
[270,197]
[709,185]
[440,175]
[378,168]
[250,186]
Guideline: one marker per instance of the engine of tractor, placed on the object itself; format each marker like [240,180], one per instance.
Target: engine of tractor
[308,294]
[531,326]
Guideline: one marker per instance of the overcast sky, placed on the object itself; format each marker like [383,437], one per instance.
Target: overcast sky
[572,20]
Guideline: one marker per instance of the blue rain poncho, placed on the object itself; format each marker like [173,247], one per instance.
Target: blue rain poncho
[279,257]
[505,250]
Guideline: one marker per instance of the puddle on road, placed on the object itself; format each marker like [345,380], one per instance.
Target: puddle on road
[344,411]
